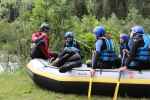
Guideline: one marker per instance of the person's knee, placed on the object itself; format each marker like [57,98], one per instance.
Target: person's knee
[37,53]
[75,57]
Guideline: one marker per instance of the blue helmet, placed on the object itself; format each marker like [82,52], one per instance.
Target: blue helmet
[124,37]
[99,31]
[69,34]
[137,29]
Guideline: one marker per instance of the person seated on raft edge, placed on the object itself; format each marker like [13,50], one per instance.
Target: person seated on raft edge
[105,56]
[124,39]
[70,56]
[40,44]
[139,50]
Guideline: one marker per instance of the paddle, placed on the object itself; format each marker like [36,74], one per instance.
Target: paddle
[92,72]
[118,82]
[117,87]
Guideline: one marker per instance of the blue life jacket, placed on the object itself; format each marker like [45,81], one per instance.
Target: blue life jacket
[109,53]
[143,53]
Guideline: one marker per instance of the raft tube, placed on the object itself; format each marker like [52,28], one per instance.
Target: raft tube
[132,83]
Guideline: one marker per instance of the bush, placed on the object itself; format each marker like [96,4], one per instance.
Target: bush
[61,20]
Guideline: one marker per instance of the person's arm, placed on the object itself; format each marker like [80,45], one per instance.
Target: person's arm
[136,43]
[34,37]
[132,54]
[98,46]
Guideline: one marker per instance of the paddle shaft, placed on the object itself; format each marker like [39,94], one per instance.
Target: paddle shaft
[90,87]
[117,87]
[91,78]
[118,83]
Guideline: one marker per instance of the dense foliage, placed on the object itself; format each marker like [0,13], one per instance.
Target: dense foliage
[20,18]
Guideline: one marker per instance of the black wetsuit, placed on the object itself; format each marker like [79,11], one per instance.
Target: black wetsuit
[136,42]
[69,57]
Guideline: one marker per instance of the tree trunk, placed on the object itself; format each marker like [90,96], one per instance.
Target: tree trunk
[80,8]
[98,8]
[121,8]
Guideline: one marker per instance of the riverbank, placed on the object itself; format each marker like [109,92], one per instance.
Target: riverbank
[19,86]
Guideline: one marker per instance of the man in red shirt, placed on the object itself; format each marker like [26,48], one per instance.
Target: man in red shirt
[40,42]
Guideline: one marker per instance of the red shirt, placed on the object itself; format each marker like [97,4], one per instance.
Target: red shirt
[43,36]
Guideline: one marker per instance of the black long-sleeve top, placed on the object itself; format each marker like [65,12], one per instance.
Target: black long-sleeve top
[134,43]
